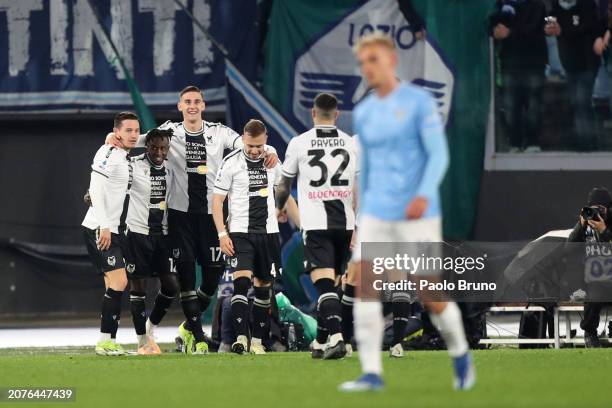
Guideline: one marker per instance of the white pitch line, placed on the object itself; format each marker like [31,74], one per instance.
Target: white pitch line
[68,336]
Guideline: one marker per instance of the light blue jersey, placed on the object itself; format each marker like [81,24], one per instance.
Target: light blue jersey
[403,152]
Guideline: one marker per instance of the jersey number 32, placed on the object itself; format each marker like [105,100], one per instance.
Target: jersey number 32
[316,161]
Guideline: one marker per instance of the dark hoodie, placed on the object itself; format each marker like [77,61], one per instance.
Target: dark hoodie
[580,26]
[525,49]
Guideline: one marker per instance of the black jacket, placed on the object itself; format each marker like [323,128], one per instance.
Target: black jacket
[578,234]
[525,48]
[410,14]
[580,26]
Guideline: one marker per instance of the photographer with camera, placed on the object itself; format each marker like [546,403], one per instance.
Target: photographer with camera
[517,27]
[593,227]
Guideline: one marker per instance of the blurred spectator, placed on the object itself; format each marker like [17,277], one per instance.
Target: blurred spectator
[601,47]
[575,24]
[554,69]
[517,27]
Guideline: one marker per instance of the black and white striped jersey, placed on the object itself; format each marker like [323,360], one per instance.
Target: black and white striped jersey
[193,160]
[113,169]
[325,161]
[249,186]
[147,207]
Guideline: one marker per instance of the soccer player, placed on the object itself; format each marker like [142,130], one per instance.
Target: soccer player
[146,249]
[404,157]
[251,239]
[104,224]
[324,159]
[196,150]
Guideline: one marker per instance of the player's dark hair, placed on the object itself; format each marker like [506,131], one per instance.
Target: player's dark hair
[326,104]
[255,128]
[121,116]
[158,134]
[190,88]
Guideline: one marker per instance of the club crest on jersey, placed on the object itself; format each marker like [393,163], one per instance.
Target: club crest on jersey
[234,262]
[111,261]
[209,139]
[130,268]
[176,253]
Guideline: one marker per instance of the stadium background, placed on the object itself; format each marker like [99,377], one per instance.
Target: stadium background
[61,80]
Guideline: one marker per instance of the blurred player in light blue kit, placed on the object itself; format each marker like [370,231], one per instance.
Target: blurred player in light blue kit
[404,157]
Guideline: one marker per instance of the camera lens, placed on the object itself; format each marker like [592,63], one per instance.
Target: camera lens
[588,213]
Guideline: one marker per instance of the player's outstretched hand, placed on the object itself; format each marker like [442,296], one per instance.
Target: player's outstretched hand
[226,245]
[416,209]
[112,140]
[270,160]
[104,241]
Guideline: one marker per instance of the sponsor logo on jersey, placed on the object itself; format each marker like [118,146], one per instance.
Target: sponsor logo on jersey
[162,206]
[263,192]
[202,169]
[111,261]
[329,194]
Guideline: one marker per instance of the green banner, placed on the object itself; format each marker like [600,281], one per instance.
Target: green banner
[309,50]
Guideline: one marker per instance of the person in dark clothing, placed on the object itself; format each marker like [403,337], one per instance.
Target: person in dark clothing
[601,47]
[590,231]
[416,22]
[576,24]
[517,28]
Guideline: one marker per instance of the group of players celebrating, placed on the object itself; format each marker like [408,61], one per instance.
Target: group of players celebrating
[159,213]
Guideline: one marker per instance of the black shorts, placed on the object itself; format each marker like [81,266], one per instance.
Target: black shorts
[104,261]
[258,253]
[327,249]
[193,237]
[146,256]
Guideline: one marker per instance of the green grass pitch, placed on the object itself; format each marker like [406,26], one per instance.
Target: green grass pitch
[506,378]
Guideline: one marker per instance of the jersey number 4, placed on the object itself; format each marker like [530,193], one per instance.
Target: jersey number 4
[336,180]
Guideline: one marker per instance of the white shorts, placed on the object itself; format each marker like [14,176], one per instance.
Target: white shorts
[372,229]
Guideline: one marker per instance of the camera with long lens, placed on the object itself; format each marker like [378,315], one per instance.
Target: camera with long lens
[590,213]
